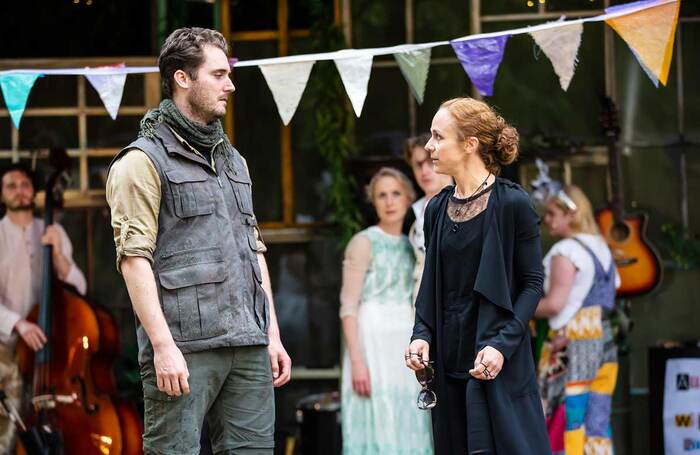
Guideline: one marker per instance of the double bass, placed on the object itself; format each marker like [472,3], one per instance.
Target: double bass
[69,414]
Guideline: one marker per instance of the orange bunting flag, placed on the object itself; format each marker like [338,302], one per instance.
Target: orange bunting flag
[650,34]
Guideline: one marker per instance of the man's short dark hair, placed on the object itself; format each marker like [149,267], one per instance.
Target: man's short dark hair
[413,142]
[184,50]
[21,168]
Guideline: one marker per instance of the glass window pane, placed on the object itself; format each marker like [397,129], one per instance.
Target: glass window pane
[445,81]
[299,14]
[526,75]
[508,7]
[257,134]
[689,9]
[5,131]
[105,132]
[247,15]
[199,14]
[97,172]
[439,21]
[43,171]
[377,23]
[306,282]
[54,91]
[74,222]
[574,5]
[43,132]
[133,92]
[384,121]
[311,178]
[76,29]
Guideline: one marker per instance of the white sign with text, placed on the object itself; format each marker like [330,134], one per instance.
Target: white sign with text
[682,407]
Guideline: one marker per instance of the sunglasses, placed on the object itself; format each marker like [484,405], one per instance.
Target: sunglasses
[426,397]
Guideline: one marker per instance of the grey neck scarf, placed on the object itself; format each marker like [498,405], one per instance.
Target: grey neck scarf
[202,137]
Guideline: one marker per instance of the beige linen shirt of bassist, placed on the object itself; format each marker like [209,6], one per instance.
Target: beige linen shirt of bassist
[21,258]
[134,194]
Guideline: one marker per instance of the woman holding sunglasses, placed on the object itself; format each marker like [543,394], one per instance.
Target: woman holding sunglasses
[378,394]
[480,287]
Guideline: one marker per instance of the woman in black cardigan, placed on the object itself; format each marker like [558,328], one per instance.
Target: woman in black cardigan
[481,284]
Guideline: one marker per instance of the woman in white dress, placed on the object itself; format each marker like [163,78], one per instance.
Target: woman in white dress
[379,410]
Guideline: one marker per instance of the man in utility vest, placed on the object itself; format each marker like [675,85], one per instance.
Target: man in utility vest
[190,253]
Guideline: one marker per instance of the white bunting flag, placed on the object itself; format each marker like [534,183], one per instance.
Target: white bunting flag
[354,72]
[110,87]
[561,46]
[287,82]
[414,67]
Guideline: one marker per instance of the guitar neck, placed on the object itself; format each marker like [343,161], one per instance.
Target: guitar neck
[617,200]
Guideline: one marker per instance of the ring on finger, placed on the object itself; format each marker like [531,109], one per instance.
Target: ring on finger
[487,373]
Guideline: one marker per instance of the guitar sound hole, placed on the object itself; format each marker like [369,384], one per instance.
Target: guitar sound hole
[620,232]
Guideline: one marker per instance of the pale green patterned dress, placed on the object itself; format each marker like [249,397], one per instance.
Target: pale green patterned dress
[389,422]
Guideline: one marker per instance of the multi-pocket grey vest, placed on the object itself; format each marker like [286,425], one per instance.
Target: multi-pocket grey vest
[205,260]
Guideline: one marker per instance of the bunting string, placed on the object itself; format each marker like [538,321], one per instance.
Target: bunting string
[647,26]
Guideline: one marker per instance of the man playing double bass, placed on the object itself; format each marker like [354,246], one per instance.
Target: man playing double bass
[21,240]
[189,250]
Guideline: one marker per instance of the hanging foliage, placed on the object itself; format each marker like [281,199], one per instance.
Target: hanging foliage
[334,122]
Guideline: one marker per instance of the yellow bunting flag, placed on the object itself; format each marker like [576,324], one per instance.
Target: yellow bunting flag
[650,34]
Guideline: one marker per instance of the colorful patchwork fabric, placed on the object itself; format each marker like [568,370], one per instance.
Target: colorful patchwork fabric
[586,325]
[580,378]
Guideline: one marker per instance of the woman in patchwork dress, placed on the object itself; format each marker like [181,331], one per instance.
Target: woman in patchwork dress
[379,411]
[578,363]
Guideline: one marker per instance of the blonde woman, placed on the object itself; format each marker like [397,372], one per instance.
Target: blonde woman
[578,366]
[379,413]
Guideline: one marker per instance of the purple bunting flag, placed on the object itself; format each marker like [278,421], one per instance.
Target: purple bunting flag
[480,58]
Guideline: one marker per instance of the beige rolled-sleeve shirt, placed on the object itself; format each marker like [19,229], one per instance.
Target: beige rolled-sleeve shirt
[133,194]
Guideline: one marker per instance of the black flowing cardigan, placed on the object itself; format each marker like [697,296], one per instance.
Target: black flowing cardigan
[508,288]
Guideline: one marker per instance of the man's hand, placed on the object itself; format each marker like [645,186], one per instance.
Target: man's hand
[31,334]
[171,370]
[280,361]
[52,237]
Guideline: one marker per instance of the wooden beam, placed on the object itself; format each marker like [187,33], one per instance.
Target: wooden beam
[474,29]
[80,62]
[285,130]
[151,92]
[225,27]
[92,111]
[538,16]
[268,35]
[82,134]
[347,22]
[337,13]
[412,104]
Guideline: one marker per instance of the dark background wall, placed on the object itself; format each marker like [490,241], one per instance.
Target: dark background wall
[527,92]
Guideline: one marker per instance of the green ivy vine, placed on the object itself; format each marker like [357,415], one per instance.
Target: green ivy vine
[334,122]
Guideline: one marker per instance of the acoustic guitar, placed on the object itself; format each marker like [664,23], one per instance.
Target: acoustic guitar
[637,260]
